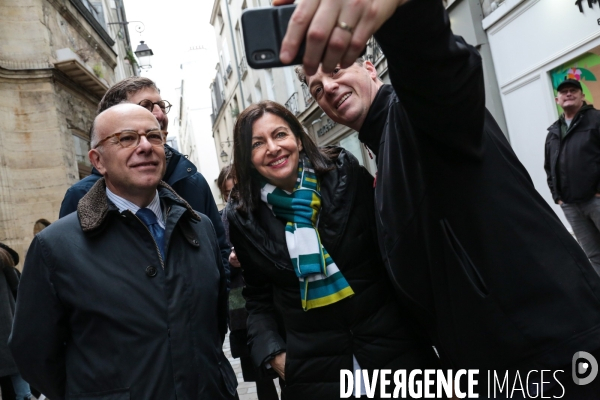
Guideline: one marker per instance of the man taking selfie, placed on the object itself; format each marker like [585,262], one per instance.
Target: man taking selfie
[470,246]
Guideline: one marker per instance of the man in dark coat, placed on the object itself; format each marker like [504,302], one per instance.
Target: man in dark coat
[469,244]
[181,174]
[573,166]
[127,297]
[12,385]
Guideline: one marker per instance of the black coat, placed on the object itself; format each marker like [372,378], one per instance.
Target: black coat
[7,311]
[573,164]
[469,243]
[371,325]
[98,316]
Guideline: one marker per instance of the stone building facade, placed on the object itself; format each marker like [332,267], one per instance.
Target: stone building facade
[57,59]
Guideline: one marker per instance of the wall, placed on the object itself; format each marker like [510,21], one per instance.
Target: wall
[41,108]
[465,19]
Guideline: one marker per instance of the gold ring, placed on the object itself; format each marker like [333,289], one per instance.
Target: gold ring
[345,26]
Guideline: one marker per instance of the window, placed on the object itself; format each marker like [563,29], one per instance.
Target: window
[240,39]
[95,7]
[220,23]
[257,92]
[290,75]
[81,147]
[225,60]
[270,84]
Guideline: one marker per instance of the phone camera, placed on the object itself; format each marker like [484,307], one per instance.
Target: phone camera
[263,56]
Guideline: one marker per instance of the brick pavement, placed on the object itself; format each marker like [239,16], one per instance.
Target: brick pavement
[246,390]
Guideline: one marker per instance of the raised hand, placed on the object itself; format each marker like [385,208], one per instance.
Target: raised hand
[336,31]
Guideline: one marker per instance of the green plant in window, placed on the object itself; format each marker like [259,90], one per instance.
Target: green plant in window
[98,71]
[130,57]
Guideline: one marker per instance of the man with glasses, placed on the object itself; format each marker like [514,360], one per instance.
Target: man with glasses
[181,174]
[127,297]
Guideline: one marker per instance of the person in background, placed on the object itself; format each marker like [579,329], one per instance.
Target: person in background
[181,174]
[303,225]
[238,336]
[9,282]
[572,160]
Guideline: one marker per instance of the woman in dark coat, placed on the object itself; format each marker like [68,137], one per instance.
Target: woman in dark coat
[9,281]
[328,283]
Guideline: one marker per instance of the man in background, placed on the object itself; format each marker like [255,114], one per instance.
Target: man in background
[572,165]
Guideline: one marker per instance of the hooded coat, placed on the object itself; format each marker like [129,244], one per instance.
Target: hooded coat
[101,316]
[371,325]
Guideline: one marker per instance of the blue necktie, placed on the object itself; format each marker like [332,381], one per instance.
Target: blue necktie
[149,219]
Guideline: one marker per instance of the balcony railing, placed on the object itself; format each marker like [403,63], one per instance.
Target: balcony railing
[243,67]
[308,99]
[292,104]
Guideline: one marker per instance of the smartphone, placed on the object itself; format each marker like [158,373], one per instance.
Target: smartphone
[263,30]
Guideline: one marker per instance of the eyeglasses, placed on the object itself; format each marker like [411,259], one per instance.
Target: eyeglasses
[164,105]
[132,138]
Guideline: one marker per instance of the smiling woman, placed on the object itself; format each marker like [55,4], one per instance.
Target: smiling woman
[302,223]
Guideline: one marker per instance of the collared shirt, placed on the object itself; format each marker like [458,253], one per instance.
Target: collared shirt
[124,204]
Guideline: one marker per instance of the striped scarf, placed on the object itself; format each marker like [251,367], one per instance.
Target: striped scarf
[321,281]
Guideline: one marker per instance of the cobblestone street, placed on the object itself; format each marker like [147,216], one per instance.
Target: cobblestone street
[246,390]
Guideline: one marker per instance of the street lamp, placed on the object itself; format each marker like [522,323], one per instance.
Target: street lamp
[224,156]
[144,54]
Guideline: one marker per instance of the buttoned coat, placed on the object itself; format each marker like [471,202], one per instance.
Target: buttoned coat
[101,316]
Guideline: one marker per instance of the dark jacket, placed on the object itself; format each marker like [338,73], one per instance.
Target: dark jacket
[183,176]
[370,325]
[573,164]
[7,311]
[98,316]
[469,243]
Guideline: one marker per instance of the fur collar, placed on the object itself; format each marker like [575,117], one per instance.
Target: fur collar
[93,208]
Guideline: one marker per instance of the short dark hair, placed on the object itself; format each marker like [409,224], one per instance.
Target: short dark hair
[120,91]
[247,177]
[224,176]
[302,75]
